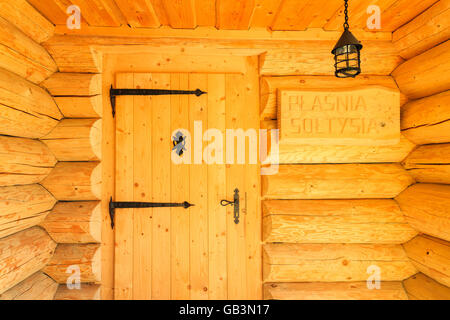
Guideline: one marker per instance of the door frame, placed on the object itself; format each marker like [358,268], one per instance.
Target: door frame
[142,59]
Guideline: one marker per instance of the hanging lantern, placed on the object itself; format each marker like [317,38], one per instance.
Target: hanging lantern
[347,62]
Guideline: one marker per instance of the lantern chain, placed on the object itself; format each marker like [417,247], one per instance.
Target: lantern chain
[346,26]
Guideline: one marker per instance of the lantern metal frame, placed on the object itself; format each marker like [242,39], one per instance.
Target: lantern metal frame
[347,52]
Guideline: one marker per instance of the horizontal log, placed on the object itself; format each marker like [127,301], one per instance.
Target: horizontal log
[74,84]
[80,107]
[36,287]
[421,287]
[270,86]
[431,256]
[75,58]
[76,140]
[430,163]
[427,120]
[22,254]
[380,58]
[333,291]
[22,207]
[25,17]
[425,31]
[74,222]
[75,181]
[26,109]
[200,37]
[86,257]
[23,56]
[336,181]
[421,76]
[88,291]
[335,221]
[334,262]
[426,208]
[289,153]
[24,161]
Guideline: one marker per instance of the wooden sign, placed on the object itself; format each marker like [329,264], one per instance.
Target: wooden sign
[367,115]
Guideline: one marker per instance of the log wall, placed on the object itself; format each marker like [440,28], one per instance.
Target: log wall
[28,112]
[329,214]
[310,207]
[75,222]
[62,110]
[425,120]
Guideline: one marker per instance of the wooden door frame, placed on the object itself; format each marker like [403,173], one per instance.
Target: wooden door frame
[141,59]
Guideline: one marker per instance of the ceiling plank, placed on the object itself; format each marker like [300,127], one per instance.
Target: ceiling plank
[290,15]
[158,7]
[234,14]
[181,13]
[325,13]
[139,13]
[205,11]
[402,11]
[53,10]
[265,13]
[360,20]
[100,12]
[356,10]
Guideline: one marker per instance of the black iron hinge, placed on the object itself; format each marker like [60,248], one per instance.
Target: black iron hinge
[113,93]
[113,205]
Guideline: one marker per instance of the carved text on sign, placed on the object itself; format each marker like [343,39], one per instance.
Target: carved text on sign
[365,116]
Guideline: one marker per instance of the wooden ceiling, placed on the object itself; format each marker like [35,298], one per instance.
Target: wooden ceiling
[232,14]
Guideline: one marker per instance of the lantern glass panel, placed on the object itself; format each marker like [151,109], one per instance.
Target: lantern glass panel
[347,61]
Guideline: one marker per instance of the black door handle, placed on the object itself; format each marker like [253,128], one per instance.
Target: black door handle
[234,203]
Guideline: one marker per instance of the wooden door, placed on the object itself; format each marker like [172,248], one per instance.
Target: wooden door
[174,253]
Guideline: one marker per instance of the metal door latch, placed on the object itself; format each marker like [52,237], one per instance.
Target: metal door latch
[138,205]
[113,93]
[234,203]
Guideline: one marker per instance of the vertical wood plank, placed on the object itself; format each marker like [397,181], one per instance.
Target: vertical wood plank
[108,183]
[236,266]
[142,188]
[199,192]
[161,165]
[218,286]
[179,193]
[124,192]
[252,211]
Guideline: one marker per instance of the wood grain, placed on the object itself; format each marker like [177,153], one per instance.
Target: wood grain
[430,163]
[22,207]
[426,208]
[333,291]
[22,254]
[334,262]
[431,257]
[24,161]
[335,221]
[336,181]
[74,222]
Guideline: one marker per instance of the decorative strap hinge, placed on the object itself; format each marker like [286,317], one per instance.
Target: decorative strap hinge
[113,205]
[113,93]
